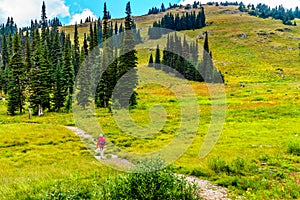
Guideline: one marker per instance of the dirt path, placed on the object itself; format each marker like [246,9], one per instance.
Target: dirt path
[207,190]
[113,159]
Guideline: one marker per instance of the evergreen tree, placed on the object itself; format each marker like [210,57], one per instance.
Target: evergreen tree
[95,32]
[100,33]
[76,51]
[206,67]
[5,53]
[10,45]
[59,92]
[202,17]
[16,86]
[150,61]
[68,72]
[106,83]
[83,84]
[157,58]
[116,28]
[28,58]
[105,24]
[127,61]
[121,28]
[91,46]
[40,78]
[44,22]
[163,9]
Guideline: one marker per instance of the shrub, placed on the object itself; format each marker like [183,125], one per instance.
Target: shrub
[294,147]
[149,181]
[218,165]
[237,166]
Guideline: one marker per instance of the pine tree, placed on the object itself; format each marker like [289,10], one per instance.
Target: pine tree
[127,62]
[157,58]
[100,34]
[83,84]
[28,58]
[202,17]
[10,45]
[95,32]
[16,87]
[68,72]
[59,92]
[5,53]
[121,28]
[116,28]
[4,67]
[44,22]
[163,9]
[40,77]
[76,51]
[104,90]
[105,24]
[150,61]
[91,46]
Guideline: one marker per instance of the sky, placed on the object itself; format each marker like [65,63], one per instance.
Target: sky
[71,11]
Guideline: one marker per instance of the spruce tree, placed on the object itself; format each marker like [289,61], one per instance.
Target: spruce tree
[40,77]
[207,67]
[68,72]
[103,91]
[10,45]
[116,28]
[127,62]
[99,31]
[83,84]
[59,92]
[91,46]
[150,64]
[76,51]
[95,32]
[105,24]
[16,86]
[202,17]
[44,22]
[121,28]
[5,53]
[157,58]
[28,54]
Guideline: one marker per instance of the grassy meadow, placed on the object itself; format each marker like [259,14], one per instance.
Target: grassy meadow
[257,155]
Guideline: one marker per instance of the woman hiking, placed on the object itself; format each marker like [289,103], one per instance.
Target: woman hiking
[101,144]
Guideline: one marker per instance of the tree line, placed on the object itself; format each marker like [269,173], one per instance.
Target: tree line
[39,66]
[187,21]
[155,10]
[182,57]
[279,12]
[226,3]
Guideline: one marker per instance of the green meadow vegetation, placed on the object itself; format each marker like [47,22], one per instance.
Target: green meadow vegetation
[257,155]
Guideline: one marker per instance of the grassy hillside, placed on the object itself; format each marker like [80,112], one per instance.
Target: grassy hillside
[258,152]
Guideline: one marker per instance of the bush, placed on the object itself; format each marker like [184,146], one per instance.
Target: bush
[149,181]
[218,165]
[294,147]
[237,166]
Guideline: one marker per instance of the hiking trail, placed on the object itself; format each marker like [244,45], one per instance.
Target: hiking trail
[207,190]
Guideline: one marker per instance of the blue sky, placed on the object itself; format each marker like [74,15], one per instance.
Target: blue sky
[116,8]
[70,11]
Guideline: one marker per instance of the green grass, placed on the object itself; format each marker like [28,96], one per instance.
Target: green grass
[257,155]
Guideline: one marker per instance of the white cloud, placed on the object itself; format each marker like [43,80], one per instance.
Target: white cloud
[24,10]
[273,3]
[82,16]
